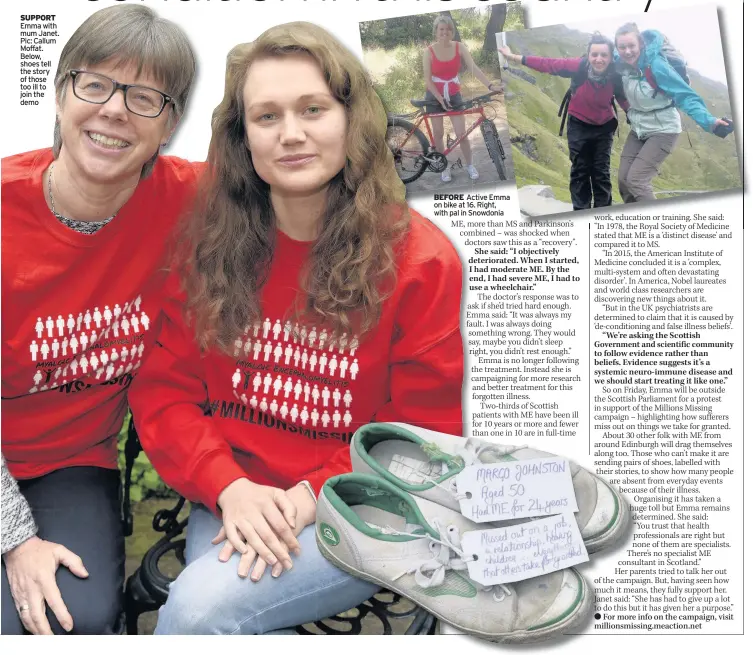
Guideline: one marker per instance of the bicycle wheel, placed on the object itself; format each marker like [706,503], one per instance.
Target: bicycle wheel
[493,145]
[409,151]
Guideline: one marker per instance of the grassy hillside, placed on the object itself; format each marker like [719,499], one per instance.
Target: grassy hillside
[540,154]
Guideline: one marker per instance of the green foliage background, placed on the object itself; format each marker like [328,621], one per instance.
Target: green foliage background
[145,482]
[404,39]
[701,161]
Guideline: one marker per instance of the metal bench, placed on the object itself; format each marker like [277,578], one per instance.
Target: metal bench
[147,588]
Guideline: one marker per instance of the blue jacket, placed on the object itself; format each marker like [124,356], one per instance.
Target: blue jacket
[669,81]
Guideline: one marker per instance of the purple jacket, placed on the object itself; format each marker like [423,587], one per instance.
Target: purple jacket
[591,103]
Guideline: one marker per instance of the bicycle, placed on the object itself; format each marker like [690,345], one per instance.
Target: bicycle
[415,153]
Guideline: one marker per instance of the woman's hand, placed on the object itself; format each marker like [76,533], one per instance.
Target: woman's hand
[31,568]
[305,515]
[506,52]
[257,520]
[442,103]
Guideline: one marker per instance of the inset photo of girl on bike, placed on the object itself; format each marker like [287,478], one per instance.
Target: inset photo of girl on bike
[619,110]
[438,76]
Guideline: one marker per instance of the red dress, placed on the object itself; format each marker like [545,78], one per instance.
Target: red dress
[445,73]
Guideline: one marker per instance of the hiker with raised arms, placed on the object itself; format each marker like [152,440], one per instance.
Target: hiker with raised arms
[656,84]
[591,113]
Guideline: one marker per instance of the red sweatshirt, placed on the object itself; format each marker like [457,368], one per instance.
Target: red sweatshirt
[285,407]
[77,314]
[591,102]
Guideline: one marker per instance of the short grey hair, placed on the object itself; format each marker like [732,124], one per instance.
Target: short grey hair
[130,34]
[442,20]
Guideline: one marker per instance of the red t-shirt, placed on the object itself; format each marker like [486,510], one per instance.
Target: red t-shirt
[78,314]
[447,71]
[285,407]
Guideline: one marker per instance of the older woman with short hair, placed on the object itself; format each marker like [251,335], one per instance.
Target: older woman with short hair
[84,228]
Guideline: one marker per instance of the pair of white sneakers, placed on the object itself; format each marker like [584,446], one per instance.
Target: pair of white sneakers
[396,522]
[472,173]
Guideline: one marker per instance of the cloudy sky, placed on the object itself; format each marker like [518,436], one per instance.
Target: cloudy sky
[694,31]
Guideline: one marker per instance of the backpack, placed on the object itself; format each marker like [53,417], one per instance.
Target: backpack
[577,79]
[674,58]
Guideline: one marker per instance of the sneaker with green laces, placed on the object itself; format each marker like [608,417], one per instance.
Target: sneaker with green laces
[375,531]
[425,464]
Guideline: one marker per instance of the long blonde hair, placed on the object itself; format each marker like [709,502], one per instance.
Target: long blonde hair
[232,232]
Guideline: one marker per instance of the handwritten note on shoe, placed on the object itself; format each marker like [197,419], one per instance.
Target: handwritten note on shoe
[523,551]
[516,490]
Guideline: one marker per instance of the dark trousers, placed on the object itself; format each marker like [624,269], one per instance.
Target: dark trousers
[590,150]
[640,162]
[79,508]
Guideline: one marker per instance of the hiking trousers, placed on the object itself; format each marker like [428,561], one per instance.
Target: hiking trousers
[640,162]
[590,151]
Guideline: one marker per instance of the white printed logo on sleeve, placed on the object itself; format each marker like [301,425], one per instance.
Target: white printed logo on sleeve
[523,551]
[516,490]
